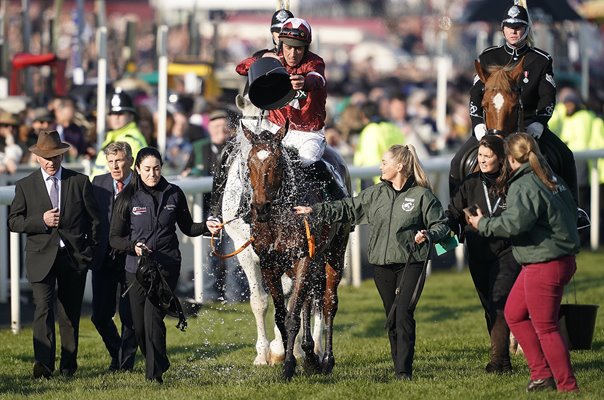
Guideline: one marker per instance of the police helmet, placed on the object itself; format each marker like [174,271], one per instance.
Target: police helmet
[515,16]
[121,102]
[279,17]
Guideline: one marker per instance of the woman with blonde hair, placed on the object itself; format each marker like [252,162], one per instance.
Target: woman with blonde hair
[541,221]
[402,212]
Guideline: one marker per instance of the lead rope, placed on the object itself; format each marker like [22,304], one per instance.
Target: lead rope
[310,239]
[234,253]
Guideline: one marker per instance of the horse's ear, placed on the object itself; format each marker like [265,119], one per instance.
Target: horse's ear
[249,135]
[518,70]
[283,130]
[482,74]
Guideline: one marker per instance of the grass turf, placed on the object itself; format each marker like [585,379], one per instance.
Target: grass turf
[213,359]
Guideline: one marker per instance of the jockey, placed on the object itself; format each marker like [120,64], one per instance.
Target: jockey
[538,94]
[306,112]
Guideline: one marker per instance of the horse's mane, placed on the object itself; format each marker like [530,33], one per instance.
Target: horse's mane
[499,78]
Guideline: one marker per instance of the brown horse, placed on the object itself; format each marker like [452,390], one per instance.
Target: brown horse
[503,112]
[281,243]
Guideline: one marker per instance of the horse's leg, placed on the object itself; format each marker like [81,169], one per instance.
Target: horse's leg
[311,360]
[277,351]
[258,303]
[302,268]
[318,329]
[272,278]
[330,308]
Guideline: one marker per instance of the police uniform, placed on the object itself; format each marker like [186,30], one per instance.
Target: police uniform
[538,95]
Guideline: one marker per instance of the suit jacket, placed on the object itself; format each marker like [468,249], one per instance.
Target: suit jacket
[104,194]
[78,222]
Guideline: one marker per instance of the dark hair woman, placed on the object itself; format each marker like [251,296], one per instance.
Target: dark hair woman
[491,262]
[146,215]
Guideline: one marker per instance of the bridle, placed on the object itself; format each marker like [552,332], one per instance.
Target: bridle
[279,195]
[520,119]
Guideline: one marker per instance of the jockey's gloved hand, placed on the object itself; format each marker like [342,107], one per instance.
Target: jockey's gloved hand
[479,131]
[535,129]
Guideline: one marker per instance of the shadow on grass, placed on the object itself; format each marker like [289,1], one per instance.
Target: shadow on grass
[22,385]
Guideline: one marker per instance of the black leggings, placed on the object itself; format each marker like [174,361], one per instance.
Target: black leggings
[493,281]
[402,333]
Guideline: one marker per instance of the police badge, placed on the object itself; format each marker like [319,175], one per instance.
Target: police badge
[513,11]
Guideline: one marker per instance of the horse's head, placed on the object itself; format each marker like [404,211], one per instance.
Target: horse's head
[501,103]
[266,168]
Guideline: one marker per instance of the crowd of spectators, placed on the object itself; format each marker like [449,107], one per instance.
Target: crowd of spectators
[403,98]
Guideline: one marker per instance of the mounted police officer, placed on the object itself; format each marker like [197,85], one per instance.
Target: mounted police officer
[538,95]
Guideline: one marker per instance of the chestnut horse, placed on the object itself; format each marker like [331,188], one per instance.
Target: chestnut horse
[503,112]
[283,243]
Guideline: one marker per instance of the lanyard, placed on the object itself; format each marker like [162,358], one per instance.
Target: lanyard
[486,196]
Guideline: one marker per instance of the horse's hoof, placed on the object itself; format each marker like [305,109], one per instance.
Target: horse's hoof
[260,360]
[312,364]
[275,359]
[329,362]
[289,368]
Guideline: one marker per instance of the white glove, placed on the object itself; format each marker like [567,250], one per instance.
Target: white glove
[479,131]
[535,129]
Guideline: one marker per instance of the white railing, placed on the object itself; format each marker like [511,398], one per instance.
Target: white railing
[438,167]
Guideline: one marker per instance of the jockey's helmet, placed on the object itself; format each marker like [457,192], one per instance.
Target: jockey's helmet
[296,32]
[279,17]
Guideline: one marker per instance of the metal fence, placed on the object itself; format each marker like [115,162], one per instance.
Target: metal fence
[11,252]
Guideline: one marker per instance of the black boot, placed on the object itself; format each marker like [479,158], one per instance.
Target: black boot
[500,355]
[220,174]
[319,172]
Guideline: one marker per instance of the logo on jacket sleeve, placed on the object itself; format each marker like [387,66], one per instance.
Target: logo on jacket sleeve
[139,210]
[409,204]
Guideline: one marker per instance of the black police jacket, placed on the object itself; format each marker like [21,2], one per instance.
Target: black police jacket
[537,82]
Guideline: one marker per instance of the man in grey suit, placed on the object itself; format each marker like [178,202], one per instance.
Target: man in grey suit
[108,273]
[55,207]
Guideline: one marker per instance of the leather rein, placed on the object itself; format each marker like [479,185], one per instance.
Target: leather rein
[309,238]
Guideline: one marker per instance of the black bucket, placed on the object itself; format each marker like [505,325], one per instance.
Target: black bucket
[577,324]
[269,84]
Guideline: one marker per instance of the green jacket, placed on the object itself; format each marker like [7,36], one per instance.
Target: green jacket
[130,134]
[393,217]
[541,224]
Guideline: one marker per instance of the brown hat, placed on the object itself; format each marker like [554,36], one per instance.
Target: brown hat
[7,118]
[49,145]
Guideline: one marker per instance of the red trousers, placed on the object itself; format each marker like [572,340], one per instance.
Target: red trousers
[532,313]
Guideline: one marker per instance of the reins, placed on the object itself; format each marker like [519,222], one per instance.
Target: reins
[310,239]
[234,253]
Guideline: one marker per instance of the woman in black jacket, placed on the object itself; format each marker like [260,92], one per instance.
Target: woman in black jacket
[146,215]
[492,265]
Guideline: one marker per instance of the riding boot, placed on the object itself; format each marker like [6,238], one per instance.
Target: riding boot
[500,356]
[220,174]
[318,172]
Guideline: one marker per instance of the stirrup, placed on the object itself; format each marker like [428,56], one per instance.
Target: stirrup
[583,220]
